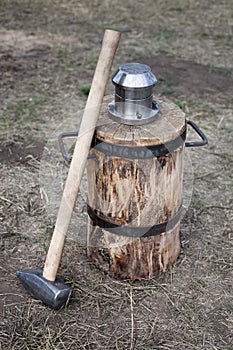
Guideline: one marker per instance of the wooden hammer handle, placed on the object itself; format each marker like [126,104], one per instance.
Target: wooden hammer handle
[109,45]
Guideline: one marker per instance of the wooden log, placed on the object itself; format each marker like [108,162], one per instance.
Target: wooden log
[134,202]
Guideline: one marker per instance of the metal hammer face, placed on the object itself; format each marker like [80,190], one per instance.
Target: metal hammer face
[54,294]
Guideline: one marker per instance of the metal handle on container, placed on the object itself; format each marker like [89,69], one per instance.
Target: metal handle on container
[61,136]
[65,155]
[200,133]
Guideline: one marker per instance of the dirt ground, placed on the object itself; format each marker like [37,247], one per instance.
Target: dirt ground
[48,52]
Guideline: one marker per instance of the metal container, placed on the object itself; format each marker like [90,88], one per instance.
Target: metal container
[133,103]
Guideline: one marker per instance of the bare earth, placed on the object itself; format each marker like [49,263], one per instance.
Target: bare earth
[48,52]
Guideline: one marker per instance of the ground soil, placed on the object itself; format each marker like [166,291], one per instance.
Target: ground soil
[189,79]
[48,52]
[19,151]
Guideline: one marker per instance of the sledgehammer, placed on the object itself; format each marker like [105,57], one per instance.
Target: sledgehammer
[45,285]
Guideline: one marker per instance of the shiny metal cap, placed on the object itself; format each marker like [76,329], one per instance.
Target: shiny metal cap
[133,104]
[134,75]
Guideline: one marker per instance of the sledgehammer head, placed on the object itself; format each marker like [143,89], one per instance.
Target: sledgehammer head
[54,294]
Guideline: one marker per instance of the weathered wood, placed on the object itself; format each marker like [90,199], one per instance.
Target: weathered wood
[136,193]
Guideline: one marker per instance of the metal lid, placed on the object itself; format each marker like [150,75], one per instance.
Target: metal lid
[133,103]
[134,75]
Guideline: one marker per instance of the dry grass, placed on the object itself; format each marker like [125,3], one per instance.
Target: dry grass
[48,51]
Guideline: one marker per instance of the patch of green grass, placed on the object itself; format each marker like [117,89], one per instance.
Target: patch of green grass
[207,108]
[28,109]
[48,228]
[62,53]
[166,86]
[167,35]
[221,70]
[179,8]
[85,89]
[182,104]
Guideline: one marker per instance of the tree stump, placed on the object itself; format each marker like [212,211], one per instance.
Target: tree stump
[135,194]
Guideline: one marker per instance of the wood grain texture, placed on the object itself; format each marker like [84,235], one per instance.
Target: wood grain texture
[137,193]
[169,123]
